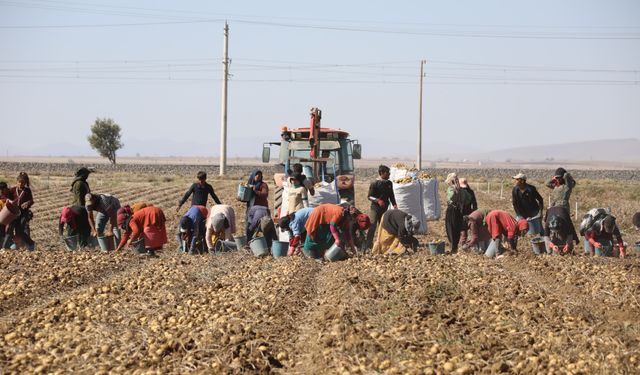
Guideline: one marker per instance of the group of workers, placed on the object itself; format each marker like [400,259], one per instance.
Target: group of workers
[484,231]
[313,230]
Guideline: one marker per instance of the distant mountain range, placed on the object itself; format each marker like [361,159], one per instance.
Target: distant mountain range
[611,150]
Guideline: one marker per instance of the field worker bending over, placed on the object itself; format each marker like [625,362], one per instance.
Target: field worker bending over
[294,223]
[527,203]
[501,224]
[220,226]
[147,223]
[107,208]
[201,191]
[80,186]
[600,234]
[76,220]
[381,195]
[191,228]
[324,226]
[562,185]
[259,221]
[395,233]
[478,237]
[559,233]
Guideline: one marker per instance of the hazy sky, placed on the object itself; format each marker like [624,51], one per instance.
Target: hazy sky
[498,73]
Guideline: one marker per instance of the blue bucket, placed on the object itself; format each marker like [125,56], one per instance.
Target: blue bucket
[436,247]
[637,247]
[107,243]
[279,249]
[259,246]
[245,193]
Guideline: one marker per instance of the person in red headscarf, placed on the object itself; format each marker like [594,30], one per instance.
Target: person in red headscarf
[76,220]
[501,224]
[325,226]
[147,223]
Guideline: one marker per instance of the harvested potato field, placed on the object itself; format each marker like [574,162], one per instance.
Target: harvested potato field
[94,312]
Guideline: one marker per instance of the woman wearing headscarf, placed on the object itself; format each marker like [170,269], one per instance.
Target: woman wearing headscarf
[220,226]
[395,233]
[80,186]
[324,226]
[76,220]
[19,227]
[259,197]
[147,223]
[457,199]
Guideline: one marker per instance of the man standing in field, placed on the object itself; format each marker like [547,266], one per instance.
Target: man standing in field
[527,203]
[380,195]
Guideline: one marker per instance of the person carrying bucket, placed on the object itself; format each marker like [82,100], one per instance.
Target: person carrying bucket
[148,224]
[324,226]
[106,206]
[500,224]
[527,203]
[559,233]
[395,233]
[294,223]
[19,227]
[478,235]
[191,228]
[76,220]
[600,235]
[220,226]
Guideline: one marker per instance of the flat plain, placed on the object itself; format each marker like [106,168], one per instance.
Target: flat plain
[94,312]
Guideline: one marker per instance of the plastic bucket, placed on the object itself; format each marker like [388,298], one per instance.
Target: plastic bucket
[436,247]
[538,245]
[259,246]
[107,243]
[71,242]
[9,212]
[637,247]
[241,241]
[244,193]
[138,246]
[335,254]
[279,249]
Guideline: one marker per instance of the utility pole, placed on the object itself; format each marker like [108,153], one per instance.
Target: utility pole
[225,79]
[419,161]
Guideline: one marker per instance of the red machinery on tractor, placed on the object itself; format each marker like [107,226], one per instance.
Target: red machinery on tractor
[326,154]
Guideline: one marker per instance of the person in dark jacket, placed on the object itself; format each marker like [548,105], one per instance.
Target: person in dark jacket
[19,227]
[527,203]
[473,203]
[381,196]
[201,191]
[559,233]
[76,220]
[80,186]
[457,199]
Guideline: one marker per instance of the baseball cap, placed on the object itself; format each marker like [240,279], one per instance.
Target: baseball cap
[520,176]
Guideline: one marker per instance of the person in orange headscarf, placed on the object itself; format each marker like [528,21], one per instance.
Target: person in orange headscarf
[324,226]
[148,223]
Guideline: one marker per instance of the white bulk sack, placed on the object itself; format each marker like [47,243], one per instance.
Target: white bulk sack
[430,199]
[396,174]
[324,193]
[409,200]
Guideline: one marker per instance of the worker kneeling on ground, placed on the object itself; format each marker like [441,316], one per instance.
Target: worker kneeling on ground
[76,220]
[395,233]
[191,229]
[325,225]
[220,228]
[294,223]
[559,233]
[478,237]
[146,225]
[500,224]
